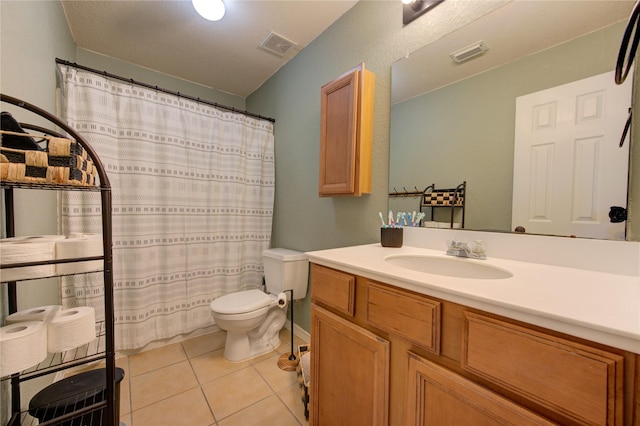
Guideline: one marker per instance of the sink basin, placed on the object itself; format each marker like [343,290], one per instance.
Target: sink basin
[448,266]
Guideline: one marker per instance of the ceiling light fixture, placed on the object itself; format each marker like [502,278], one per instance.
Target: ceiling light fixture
[411,9]
[212,10]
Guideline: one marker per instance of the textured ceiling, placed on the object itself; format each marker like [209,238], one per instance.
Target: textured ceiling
[518,29]
[170,37]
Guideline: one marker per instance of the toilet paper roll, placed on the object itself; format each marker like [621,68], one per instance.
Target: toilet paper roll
[282,300]
[41,313]
[70,328]
[33,249]
[79,245]
[22,345]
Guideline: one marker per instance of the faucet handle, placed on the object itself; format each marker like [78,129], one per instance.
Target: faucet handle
[478,247]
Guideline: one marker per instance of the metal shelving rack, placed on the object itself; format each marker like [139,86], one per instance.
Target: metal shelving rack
[104,349]
[452,198]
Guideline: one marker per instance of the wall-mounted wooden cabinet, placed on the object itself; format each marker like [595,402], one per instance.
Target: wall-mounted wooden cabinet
[346,131]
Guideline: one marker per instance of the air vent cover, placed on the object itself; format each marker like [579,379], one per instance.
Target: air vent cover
[469,52]
[276,44]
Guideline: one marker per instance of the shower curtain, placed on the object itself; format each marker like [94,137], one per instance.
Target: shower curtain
[193,192]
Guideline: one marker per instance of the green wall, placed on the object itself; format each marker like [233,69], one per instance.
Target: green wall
[34,33]
[31,35]
[471,124]
[145,75]
[371,32]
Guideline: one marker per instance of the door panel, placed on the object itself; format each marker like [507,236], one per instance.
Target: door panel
[568,167]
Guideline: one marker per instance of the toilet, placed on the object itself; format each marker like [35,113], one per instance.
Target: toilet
[252,318]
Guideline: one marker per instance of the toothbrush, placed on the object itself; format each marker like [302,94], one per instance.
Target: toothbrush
[392,224]
[382,220]
[404,219]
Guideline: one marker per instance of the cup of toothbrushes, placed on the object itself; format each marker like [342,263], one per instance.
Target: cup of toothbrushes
[391,237]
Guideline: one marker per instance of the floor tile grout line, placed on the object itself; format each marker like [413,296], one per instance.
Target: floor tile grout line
[275,392]
[254,403]
[247,407]
[163,366]
[131,410]
[128,382]
[293,414]
[213,415]
[164,399]
[253,363]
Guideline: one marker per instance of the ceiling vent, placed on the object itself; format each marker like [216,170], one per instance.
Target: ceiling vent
[276,44]
[469,52]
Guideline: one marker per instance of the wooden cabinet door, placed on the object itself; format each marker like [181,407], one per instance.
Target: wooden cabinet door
[349,373]
[439,397]
[346,133]
[338,135]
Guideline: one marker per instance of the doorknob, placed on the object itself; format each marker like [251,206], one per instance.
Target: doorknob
[617,214]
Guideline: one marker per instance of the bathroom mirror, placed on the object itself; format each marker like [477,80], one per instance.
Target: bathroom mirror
[453,122]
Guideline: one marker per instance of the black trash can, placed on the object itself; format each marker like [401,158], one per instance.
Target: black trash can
[73,393]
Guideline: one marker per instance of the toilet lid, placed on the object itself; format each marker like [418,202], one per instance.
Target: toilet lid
[241,302]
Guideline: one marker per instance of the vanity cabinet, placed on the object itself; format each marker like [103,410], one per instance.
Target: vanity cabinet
[346,131]
[451,364]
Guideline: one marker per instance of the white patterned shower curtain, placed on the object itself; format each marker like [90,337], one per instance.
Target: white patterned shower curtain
[193,192]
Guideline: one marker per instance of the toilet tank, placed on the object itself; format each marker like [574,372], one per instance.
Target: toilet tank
[286,269]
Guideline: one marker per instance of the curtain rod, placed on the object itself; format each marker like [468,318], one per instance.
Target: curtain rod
[160,89]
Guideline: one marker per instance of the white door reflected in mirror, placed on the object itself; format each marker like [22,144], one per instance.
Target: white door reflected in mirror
[566,149]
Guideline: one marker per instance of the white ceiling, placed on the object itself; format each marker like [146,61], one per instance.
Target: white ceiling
[170,37]
[518,29]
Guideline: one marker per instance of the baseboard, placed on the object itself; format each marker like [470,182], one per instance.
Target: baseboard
[164,342]
[298,331]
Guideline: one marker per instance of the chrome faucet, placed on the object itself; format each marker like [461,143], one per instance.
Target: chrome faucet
[475,249]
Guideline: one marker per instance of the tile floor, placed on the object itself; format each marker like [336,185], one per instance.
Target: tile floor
[191,384]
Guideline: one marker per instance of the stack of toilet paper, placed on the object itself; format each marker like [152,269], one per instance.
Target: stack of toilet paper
[32,333]
[79,245]
[28,249]
[49,248]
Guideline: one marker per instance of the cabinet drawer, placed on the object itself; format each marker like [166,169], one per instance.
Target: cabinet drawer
[409,315]
[542,368]
[333,288]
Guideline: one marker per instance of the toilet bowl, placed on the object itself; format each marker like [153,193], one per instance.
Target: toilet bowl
[253,318]
[239,313]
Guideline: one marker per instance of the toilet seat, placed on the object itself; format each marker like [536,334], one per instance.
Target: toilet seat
[241,302]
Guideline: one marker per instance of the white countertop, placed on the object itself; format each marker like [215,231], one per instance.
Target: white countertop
[599,306]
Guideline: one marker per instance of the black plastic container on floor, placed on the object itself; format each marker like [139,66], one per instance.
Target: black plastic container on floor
[74,393]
